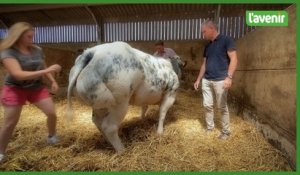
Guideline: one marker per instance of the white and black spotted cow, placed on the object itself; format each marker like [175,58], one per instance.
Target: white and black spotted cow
[111,76]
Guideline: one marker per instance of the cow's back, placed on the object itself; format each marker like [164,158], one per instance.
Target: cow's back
[159,78]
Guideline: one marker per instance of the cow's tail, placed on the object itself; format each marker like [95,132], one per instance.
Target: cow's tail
[80,63]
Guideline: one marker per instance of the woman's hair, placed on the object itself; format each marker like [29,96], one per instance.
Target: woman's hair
[14,33]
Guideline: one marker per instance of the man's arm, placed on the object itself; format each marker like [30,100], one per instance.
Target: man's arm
[233,62]
[200,75]
[231,69]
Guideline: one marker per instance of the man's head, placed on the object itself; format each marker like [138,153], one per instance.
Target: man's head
[209,30]
[159,46]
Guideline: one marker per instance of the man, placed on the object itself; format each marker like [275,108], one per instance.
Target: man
[169,53]
[216,72]
[161,51]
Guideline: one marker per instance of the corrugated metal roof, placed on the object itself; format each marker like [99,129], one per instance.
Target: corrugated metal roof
[41,15]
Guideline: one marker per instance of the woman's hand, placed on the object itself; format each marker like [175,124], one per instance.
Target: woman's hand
[54,68]
[54,87]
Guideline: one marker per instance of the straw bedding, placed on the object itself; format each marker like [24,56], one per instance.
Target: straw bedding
[184,146]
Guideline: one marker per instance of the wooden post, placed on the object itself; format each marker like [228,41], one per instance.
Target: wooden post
[99,29]
[217,14]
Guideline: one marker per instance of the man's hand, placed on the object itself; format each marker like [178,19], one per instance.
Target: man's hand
[196,84]
[227,83]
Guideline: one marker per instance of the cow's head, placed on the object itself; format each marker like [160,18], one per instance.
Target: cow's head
[177,65]
[179,61]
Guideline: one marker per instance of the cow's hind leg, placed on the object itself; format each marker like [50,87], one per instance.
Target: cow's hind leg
[143,110]
[110,125]
[98,116]
[167,102]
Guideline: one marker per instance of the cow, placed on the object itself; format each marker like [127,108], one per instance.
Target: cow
[177,65]
[111,76]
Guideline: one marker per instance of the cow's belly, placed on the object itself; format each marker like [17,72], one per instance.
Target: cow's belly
[146,95]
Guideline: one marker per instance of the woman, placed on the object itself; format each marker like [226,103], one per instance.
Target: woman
[25,67]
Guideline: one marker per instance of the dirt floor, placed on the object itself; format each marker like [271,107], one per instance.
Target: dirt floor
[184,145]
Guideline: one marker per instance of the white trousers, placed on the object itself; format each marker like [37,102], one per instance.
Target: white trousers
[208,89]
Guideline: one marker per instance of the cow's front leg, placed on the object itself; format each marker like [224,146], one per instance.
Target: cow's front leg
[110,125]
[167,102]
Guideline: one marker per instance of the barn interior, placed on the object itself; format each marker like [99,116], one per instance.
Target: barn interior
[262,100]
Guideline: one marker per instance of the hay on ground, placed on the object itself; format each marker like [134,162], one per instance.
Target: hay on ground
[184,146]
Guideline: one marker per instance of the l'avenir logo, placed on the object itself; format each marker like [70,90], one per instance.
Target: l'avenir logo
[267,18]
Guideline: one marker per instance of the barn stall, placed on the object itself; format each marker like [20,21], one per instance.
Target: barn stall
[262,99]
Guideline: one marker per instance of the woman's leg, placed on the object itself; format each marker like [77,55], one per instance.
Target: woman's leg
[47,106]
[11,118]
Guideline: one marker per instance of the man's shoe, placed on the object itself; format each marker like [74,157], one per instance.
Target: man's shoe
[2,157]
[208,131]
[224,136]
[52,139]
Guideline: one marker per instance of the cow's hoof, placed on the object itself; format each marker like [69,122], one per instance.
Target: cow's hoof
[159,131]
[120,151]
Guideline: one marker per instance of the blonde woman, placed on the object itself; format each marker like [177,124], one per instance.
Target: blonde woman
[25,67]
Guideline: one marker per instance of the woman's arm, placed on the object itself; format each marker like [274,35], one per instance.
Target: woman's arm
[54,85]
[13,67]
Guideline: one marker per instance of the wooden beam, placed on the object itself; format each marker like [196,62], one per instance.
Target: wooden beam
[217,14]
[24,8]
[99,27]
[3,24]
